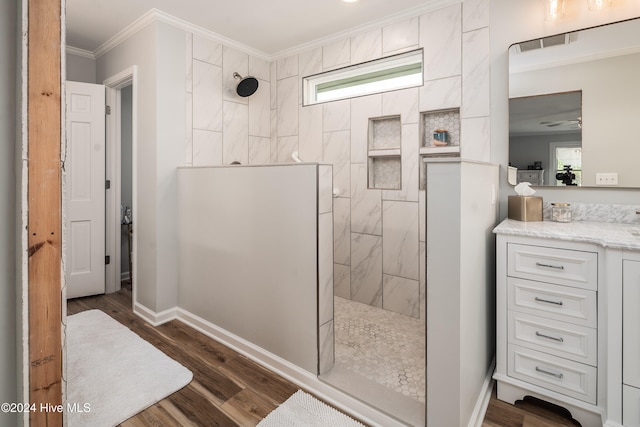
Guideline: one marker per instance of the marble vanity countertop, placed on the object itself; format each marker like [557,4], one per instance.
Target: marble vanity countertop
[605,234]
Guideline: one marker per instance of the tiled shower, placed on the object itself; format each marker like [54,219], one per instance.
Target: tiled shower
[378,232]
[379,204]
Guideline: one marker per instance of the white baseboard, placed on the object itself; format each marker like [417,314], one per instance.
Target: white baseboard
[306,380]
[480,409]
[155,319]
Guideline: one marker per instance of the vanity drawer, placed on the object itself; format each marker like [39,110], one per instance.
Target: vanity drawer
[567,304]
[554,373]
[561,339]
[560,266]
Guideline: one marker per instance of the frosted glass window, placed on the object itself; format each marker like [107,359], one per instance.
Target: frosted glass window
[381,75]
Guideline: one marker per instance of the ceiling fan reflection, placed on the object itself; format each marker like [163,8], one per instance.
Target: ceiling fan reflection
[576,122]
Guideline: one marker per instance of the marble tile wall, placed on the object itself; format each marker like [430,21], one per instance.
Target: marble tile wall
[221,126]
[378,235]
[325,268]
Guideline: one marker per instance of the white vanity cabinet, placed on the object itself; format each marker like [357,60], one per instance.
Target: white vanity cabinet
[568,318]
[631,341]
[547,323]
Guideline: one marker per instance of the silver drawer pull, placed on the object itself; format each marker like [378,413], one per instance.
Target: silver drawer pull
[548,301]
[549,337]
[553,374]
[557,267]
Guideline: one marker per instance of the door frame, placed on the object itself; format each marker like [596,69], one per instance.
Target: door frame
[113,86]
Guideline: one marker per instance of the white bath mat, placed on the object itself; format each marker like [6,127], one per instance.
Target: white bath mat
[304,410]
[112,373]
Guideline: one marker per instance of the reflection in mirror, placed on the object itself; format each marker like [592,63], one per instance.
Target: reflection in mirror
[574,100]
[545,138]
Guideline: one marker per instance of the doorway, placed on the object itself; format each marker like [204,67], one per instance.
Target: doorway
[126,179]
[100,129]
[120,172]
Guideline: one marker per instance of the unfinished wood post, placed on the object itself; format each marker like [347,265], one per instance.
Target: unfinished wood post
[44,212]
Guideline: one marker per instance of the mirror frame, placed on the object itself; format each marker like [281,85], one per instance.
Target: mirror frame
[622,166]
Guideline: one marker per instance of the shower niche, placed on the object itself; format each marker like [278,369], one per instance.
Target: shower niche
[384,139]
[440,132]
[439,136]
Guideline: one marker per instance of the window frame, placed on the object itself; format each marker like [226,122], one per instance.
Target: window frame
[311,84]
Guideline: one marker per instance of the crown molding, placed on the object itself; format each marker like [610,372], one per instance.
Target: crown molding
[125,33]
[80,52]
[155,15]
[428,6]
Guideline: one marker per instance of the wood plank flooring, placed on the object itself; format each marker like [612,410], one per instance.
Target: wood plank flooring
[228,389]
[524,414]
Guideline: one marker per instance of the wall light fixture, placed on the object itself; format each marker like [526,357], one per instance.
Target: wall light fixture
[554,9]
[598,4]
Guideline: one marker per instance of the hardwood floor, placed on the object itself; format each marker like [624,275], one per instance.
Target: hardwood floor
[228,389]
[527,413]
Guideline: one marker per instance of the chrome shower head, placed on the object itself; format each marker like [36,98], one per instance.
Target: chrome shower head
[247,86]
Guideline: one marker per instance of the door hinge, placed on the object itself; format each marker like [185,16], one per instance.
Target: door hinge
[108,109]
[107,184]
[107,259]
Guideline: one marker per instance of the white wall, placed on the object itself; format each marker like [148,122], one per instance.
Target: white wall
[461,215]
[515,21]
[249,255]
[8,92]
[170,139]
[138,50]
[160,150]
[80,69]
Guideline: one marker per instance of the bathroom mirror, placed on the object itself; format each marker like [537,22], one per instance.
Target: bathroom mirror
[573,100]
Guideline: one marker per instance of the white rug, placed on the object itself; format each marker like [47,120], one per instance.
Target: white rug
[112,373]
[304,410]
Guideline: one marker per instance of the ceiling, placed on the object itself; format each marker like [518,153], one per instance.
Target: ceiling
[553,113]
[268,27]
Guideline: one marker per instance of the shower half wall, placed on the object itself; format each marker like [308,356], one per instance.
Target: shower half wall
[256,257]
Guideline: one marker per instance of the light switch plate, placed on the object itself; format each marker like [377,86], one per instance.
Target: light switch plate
[607,178]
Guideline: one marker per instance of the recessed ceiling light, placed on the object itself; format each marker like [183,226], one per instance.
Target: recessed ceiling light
[349,1]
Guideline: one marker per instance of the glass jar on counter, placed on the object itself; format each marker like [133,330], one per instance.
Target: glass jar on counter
[561,212]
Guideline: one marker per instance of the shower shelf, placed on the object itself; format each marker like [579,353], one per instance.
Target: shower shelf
[383,153]
[450,149]
[384,140]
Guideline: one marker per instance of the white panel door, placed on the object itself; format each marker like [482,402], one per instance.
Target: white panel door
[85,189]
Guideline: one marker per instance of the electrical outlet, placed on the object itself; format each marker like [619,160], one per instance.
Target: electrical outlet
[607,178]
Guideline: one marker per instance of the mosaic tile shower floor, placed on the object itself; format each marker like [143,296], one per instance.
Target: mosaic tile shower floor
[383,346]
